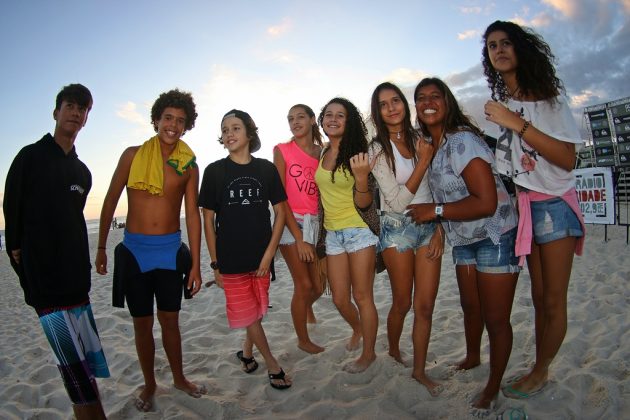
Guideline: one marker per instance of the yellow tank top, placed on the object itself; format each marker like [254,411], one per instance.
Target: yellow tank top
[337,199]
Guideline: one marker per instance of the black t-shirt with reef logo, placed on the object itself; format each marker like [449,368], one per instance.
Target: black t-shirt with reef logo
[240,197]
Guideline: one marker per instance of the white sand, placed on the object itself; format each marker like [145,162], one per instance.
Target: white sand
[589,379]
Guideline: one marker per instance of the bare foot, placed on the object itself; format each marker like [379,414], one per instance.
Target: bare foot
[359,365]
[144,401]
[354,342]
[467,363]
[396,356]
[484,401]
[192,389]
[433,387]
[310,347]
[530,384]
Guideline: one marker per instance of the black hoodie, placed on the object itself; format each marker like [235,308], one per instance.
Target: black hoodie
[44,197]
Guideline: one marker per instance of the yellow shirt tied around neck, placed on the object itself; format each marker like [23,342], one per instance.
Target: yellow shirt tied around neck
[147,171]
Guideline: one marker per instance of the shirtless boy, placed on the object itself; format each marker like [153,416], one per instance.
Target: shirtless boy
[146,259]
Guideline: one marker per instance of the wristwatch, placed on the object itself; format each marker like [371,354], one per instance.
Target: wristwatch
[214,265]
[439,211]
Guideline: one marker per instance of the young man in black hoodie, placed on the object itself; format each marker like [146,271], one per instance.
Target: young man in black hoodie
[51,254]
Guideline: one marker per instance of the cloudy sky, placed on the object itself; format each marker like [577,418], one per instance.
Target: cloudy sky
[264,56]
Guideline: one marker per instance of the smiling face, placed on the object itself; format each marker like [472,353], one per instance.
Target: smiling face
[501,52]
[70,117]
[334,121]
[430,106]
[300,123]
[171,125]
[391,108]
[234,135]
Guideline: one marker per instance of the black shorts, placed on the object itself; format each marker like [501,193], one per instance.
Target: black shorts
[140,289]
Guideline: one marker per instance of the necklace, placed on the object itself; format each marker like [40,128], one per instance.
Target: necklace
[397,134]
[514,91]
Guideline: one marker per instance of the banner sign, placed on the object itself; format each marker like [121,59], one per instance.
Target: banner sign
[596,195]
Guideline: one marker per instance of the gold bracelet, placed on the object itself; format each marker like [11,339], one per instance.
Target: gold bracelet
[362,192]
[523,130]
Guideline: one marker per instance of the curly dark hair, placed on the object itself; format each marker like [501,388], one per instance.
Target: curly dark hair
[76,93]
[317,135]
[174,98]
[535,73]
[354,139]
[251,130]
[382,133]
[455,119]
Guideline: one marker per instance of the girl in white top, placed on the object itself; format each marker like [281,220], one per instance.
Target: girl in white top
[537,149]
[412,252]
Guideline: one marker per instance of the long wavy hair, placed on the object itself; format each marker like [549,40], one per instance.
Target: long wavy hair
[455,120]
[382,133]
[535,72]
[317,135]
[354,139]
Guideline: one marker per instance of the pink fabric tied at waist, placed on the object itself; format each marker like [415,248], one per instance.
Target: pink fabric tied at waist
[524,235]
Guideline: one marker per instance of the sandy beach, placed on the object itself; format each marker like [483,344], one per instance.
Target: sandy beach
[590,377]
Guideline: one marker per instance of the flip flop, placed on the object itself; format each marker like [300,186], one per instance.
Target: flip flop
[142,405]
[246,362]
[278,377]
[510,392]
[436,390]
[196,393]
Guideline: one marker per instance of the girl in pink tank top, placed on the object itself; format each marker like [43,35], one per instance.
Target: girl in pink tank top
[297,161]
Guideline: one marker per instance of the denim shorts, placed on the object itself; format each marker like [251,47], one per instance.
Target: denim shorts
[309,225]
[401,232]
[488,257]
[553,219]
[349,240]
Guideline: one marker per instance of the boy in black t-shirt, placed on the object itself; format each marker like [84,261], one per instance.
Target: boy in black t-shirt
[235,196]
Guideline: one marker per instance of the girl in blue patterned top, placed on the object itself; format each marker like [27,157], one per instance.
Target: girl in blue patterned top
[480,223]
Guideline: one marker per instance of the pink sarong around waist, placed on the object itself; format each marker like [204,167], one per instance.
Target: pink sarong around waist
[524,234]
[246,298]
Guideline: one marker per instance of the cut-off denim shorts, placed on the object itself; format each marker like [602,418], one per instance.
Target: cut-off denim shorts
[401,232]
[553,219]
[349,240]
[488,257]
[309,225]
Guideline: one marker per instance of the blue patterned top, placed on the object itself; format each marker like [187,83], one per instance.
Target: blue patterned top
[448,186]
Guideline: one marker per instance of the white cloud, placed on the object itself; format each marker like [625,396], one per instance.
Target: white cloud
[281,28]
[470,10]
[472,33]
[541,20]
[129,112]
[568,8]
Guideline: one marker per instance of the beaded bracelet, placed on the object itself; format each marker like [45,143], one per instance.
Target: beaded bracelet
[523,130]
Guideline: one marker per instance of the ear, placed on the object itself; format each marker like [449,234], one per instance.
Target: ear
[55,112]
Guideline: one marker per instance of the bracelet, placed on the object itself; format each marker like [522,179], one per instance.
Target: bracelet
[362,192]
[523,130]
[101,247]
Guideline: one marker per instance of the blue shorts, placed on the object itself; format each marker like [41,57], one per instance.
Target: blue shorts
[77,350]
[488,257]
[553,219]
[349,240]
[401,232]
